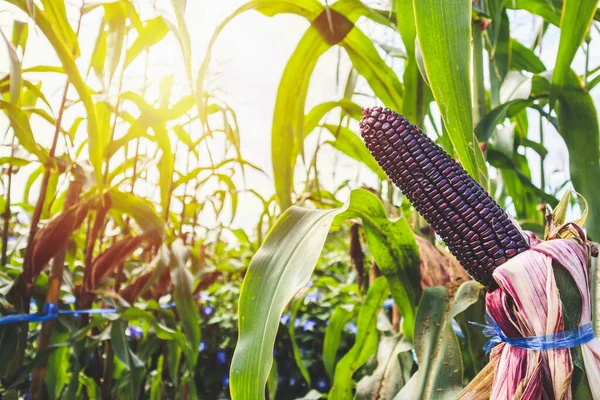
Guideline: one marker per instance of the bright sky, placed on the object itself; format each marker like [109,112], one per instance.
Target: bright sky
[248,62]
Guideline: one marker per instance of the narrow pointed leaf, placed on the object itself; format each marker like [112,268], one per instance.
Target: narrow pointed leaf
[183,283]
[444,32]
[333,334]
[350,144]
[440,373]
[154,31]
[576,19]
[366,341]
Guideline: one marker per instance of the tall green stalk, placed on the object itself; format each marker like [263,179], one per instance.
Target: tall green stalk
[478,77]
[7,214]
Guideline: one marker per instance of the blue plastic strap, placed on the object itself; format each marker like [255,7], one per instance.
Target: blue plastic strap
[51,311]
[560,340]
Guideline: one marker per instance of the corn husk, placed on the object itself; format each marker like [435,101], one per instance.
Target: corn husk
[528,303]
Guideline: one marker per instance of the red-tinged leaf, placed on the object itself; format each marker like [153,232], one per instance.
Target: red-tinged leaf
[55,235]
[145,282]
[106,262]
[160,288]
[438,268]
[206,281]
[133,290]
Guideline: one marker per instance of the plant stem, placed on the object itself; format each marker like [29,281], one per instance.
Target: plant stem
[478,79]
[28,272]
[56,272]
[185,189]
[107,371]
[7,214]
[587,62]
[357,257]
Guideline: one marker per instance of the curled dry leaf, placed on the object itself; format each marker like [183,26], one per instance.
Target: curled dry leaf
[106,262]
[206,281]
[160,288]
[132,291]
[438,267]
[148,280]
[55,235]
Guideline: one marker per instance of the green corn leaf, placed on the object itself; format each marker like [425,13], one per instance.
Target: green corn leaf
[14,161]
[141,210]
[542,8]
[166,166]
[15,72]
[284,264]
[311,120]
[57,377]
[130,360]
[366,341]
[99,55]
[288,116]
[501,161]
[115,16]
[394,364]
[444,32]
[232,191]
[474,337]
[183,284]
[395,251]
[524,59]
[575,22]
[280,268]
[292,330]
[153,32]
[65,54]
[20,34]
[19,121]
[440,373]
[57,15]
[183,35]
[45,68]
[333,335]
[487,126]
[417,93]
[350,144]
[30,97]
[578,126]
[372,67]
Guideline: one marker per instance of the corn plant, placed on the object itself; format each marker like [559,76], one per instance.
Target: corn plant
[448,48]
[117,217]
[122,266]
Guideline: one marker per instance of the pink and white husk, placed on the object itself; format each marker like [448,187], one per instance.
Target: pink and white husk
[527,303]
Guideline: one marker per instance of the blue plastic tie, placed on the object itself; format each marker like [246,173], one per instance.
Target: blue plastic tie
[51,311]
[561,340]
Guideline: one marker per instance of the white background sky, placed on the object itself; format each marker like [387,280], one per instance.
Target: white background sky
[248,62]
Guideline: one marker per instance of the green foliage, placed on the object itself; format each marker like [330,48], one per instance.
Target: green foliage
[444,33]
[157,168]
[366,341]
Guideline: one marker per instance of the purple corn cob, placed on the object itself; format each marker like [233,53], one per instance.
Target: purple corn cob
[473,226]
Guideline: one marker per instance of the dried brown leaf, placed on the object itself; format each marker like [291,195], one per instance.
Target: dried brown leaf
[106,262]
[438,268]
[206,281]
[55,235]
